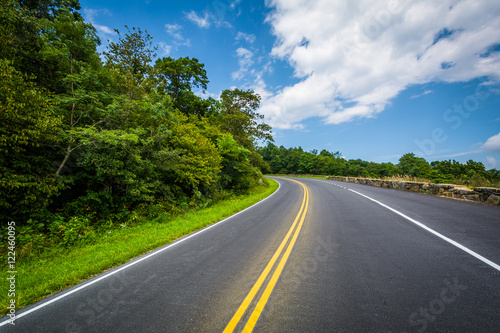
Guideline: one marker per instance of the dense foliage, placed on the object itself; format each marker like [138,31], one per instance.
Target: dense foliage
[296,161]
[89,141]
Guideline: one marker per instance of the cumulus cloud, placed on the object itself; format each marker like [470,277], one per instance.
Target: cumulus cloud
[493,143]
[353,57]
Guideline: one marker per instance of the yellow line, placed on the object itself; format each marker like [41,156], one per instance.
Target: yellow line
[244,306]
[269,289]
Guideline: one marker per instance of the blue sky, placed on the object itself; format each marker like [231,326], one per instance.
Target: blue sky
[371,79]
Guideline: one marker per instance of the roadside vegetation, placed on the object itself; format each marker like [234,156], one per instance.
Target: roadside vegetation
[296,161]
[104,153]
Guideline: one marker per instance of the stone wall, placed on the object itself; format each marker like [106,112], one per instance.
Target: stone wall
[479,194]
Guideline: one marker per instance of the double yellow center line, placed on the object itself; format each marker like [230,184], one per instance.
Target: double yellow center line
[295,230]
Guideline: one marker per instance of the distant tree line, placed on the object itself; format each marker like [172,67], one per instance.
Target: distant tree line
[86,140]
[283,160]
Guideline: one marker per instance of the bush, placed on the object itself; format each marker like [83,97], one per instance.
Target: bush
[76,230]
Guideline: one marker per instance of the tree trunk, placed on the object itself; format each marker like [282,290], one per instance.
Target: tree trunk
[68,152]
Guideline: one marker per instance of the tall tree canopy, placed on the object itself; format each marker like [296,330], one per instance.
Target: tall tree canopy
[238,116]
[132,54]
[177,78]
[178,75]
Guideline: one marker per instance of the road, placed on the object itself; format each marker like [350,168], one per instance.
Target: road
[317,256]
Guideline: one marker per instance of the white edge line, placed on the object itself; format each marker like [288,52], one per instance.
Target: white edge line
[125,266]
[460,246]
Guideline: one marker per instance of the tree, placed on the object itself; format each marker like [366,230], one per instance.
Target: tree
[238,116]
[495,174]
[446,171]
[77,78]
[132,55]
[20,39]
[273,156]
[177,77]
[28,125]
[180,75]
[411,165]
[199,163]
[49,9]
[387,170]
[237,172]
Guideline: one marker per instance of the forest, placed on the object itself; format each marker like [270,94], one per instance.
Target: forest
[296,161]
[89,139]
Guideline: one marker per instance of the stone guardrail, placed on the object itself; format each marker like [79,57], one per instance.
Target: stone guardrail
[488,195]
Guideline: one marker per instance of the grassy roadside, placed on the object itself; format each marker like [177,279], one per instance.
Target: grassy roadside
[59,268]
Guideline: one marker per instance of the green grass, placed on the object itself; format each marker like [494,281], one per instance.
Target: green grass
[58,268]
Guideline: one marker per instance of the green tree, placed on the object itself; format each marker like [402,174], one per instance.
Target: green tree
[495,174]
[237,173]
[411,165]
[49,9]
[28,125]
[177,77]
[132,56]
[78,79]
[387,170]
[274,156]
[238,116]
[20,39]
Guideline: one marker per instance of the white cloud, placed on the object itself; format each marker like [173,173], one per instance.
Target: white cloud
[214,16]
[174,31]
[250,75]
[426,92]
[202,22]
[90,15]
[354,57]
[245,56]
[249,38]
[165,48]
[491,162]
[104,29]
[464,153]
[245,61]
[492,144]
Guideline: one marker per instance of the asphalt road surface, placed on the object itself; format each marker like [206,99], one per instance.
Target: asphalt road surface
[317,256]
